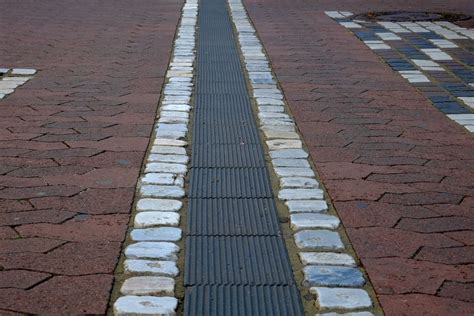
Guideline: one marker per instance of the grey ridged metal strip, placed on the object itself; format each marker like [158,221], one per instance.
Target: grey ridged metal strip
[236,259]
[230,183]
[243,300]
[221,108]
[224,133]
[227,155]
[221,88]
[232,217]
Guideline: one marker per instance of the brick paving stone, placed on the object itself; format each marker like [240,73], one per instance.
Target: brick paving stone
[72,140]
[80,228]
[394,166]
[458,290]
[21,279]
[61,295]
[26,245]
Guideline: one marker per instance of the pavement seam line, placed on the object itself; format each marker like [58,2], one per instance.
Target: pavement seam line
[331,273]
[150,267]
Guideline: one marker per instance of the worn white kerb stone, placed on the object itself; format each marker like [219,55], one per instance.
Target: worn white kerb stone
[156,234]
[342,298]
[159,205]
[156,250]
[313,220]
[326,258]
[155,267]
[147,219]
[148,285]
[145,305]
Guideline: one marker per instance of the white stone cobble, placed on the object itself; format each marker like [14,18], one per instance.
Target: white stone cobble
[168,150]
[156,234]
[148,285]
[163,205]
[307,206]
[318,240]
[280,134]
[295,163]
[313,220]
[148,219]
[23,71]
[163,178]
[166,167]
[341,298]
[326,258]
[145,305]
[153,252]
[294,172]
[288,153]
[298,182]
[169,142]
[162,191]
[301,194]
[152,267]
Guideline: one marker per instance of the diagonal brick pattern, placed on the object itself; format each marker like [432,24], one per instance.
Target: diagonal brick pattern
[72,140]
[398,171]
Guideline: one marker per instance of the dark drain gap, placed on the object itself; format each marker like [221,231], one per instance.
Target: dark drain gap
[410,16]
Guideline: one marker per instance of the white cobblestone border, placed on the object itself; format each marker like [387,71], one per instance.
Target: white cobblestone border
[150,265]
[13,78]
[330,272]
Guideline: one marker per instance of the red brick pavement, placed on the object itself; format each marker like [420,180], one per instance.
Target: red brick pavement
[400,174]
[71,144]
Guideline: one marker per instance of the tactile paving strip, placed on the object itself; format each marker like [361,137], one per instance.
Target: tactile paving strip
[232,217]
[221,88]
[236,260]
[230,183]
[243,300]
[228,155]
[225,133]
[222,108]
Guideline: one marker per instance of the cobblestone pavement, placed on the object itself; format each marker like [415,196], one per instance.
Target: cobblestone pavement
[72,140]
[398,171]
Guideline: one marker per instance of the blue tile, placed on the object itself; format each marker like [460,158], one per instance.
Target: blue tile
[441,98]
[333,276]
